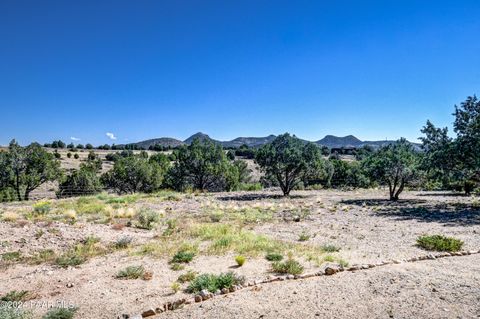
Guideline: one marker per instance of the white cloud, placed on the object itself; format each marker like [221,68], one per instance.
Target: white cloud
[75,138]
[111,136]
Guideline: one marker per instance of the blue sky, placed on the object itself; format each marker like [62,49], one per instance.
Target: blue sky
[145,69]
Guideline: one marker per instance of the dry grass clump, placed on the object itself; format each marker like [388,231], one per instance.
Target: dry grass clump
[88,248]
[10,216]
[134,272]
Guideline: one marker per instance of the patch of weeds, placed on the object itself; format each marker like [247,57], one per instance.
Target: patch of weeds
[11,256]
[183,257]
[175,287]
[290,266]
[123,242]
[213,282]
[330,248]
[42,256]
[15,296]
[240,260]
[14,313]
[439,243]
[177,267]
[60,313]
[42,207]
[81,252]
[216,217]
[147,219]
[131,272]
[186,277]
[329,258]
[273,257]
[342,262]
[89,205]
[303,237]
[171,227]
[39,233]
[127,199]
[10,216]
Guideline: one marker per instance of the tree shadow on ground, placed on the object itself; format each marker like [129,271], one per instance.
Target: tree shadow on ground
[259,196]
[441,194]
[448,214]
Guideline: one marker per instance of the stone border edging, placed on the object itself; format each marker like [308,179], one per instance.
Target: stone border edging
[328,271]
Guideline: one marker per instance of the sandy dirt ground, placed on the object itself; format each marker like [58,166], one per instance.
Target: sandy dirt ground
[362,224]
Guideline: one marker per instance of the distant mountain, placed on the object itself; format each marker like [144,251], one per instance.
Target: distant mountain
[329,141]
[201,136]
[163,141]
[332,141]
[250,141]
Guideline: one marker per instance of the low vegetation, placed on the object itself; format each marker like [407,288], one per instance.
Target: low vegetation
[131,272]
[290,266]
[439,243]
[60,313]
[212,282]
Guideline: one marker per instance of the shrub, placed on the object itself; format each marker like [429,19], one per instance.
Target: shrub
[183,257]
[42,207]
[131,272]
[176,267]
[240,260]
[330,248]
[60,313]
[147,219]
[76,156]
[123,242]
[15,296]
[186,277]
[11,256]
[439,243]
[290,266]
[14,313]
[175,287]
[212,282]
[303,237]
[83,181]
[273,257]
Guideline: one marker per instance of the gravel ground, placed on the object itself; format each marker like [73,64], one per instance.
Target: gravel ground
[443,288]
[362,224]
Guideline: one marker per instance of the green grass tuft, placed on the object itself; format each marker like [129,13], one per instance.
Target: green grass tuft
[213,282]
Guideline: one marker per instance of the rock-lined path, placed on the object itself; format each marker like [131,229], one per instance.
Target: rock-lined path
[433,288]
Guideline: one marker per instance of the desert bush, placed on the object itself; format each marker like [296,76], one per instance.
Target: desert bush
[15,296]
[76,156]
[240,260]
[183,257]
[147,219]
[249,187]
[439,243]
[186,277]
[131,272]
[330,248]
[80,253]
[176,266]
[175,287]
[290,266]
[123,242]
[11,256]
[303,237]
[42,207]
[60,313]
[14,313]
[273,257]
[212,282]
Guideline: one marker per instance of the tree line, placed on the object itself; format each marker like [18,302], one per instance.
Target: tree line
[443,163]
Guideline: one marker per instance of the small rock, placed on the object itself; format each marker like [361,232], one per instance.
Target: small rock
[296,219]
[330,271]
[289,277]
[198,298]
[225,291]
[148,313]
[70,285]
